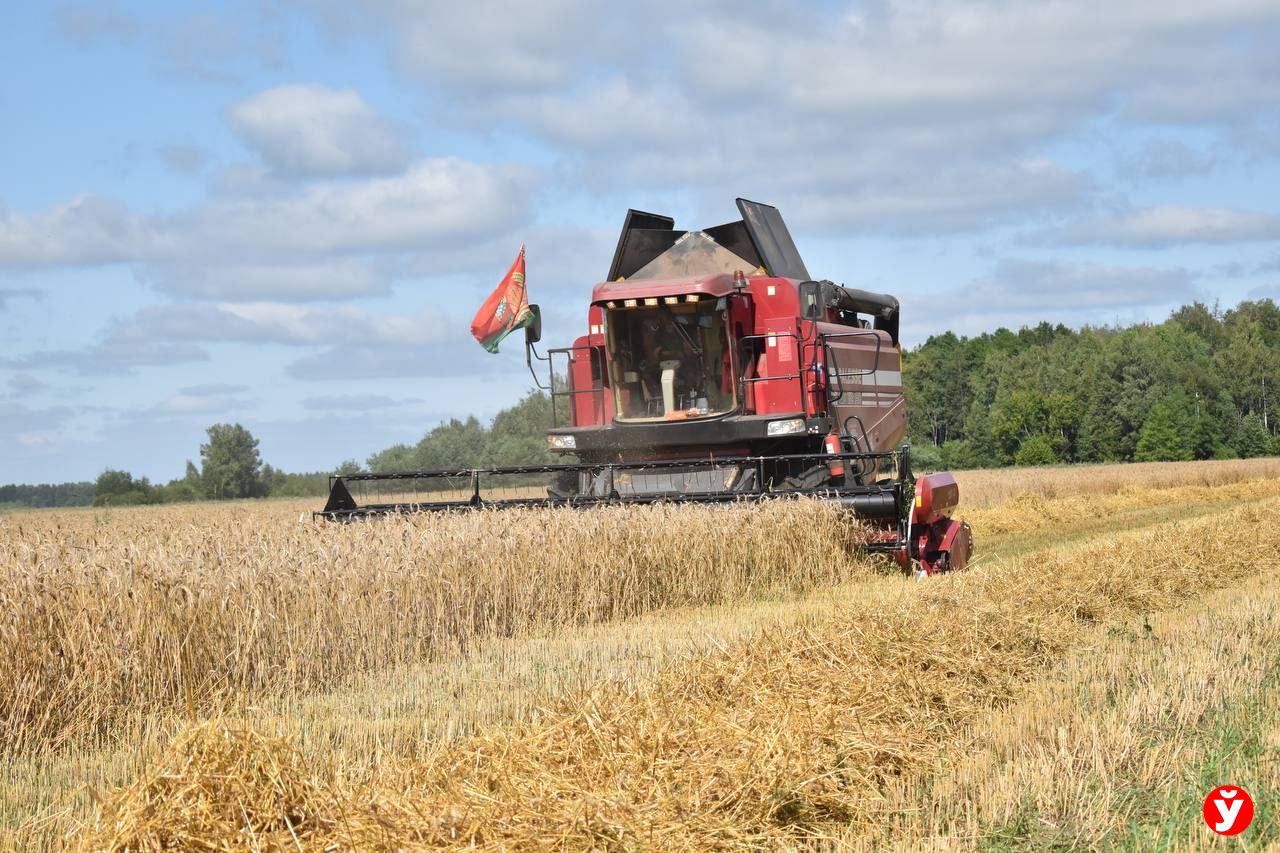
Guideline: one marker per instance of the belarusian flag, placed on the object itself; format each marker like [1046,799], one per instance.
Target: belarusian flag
[506,309]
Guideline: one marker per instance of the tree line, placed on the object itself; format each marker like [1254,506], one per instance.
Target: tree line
[1201,385]
[231,467]
[47,495]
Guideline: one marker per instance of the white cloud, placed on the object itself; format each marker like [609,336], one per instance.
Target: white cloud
[1167,158]
[207,46]
[29,427]
[491,43]
[357,360]
[1055,286]
[113,354]
[87,25]
[350,402]
[88,230]
[24,384]
[1021,292]
[308,131]
[947,199]
[178,333]
[196,404]
[213,388]
[341,278]
[299,325]
[183,158]
[11,294]
[1170,225]
[435,203]
[878,114]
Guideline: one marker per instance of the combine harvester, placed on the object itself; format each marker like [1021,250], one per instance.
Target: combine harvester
[714,370]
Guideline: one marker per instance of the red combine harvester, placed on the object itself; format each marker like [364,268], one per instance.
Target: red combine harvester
[714,369]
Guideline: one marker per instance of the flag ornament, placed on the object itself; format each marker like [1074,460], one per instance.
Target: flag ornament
[506,309]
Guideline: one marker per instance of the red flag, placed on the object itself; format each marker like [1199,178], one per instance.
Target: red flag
[506,309]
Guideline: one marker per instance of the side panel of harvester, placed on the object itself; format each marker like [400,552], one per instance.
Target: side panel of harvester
[862,373]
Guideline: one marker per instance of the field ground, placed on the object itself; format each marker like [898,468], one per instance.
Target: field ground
[1115,697]
[1117,745]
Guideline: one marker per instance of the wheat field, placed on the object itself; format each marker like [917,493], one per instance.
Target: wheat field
[672,677]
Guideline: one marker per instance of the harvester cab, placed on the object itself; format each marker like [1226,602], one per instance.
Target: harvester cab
[715,369]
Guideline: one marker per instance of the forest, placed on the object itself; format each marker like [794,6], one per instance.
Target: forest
[1201,385]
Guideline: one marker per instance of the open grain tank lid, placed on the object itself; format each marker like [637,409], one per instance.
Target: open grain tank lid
[650,247]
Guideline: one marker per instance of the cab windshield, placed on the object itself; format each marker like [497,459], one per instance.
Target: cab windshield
[670,361]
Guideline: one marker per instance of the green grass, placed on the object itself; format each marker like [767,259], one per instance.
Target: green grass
[1233,749]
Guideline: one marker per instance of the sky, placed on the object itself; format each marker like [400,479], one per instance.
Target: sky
[284,214]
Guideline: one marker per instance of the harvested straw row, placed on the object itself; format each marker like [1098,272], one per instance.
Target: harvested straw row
[1030,512]
[101,624]
[992,486]
[1118,746]
[781,739]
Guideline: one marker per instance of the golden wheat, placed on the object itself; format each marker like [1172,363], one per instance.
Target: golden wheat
[1027,513]
[1118,744]
[989,487]
[119,620]
[102,621]
[782,739]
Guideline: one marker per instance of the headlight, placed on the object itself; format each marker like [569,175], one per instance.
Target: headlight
[562,442]
[791,426]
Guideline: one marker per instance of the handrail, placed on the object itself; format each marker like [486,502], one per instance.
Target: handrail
[838,373]
[597,386]
[798,375]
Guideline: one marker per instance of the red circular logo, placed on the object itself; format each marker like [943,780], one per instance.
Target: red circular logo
[1228,810]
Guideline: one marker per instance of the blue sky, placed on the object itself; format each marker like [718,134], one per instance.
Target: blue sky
[284,214]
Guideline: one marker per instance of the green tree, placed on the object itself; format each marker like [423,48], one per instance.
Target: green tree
[1167,434]
[456,444]
[1062,422]
[118,488]
[395,459]
[1251,437]
[1204,322]
[940,391]
[1036,450]
[1015,418]
[1206,436]
[925,458]
[518,435]
[230,464]
[1248,365]
[959,454]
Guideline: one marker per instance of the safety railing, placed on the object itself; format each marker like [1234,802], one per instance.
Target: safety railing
[749,353]
[824,373]
[835,374]
[567,390]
